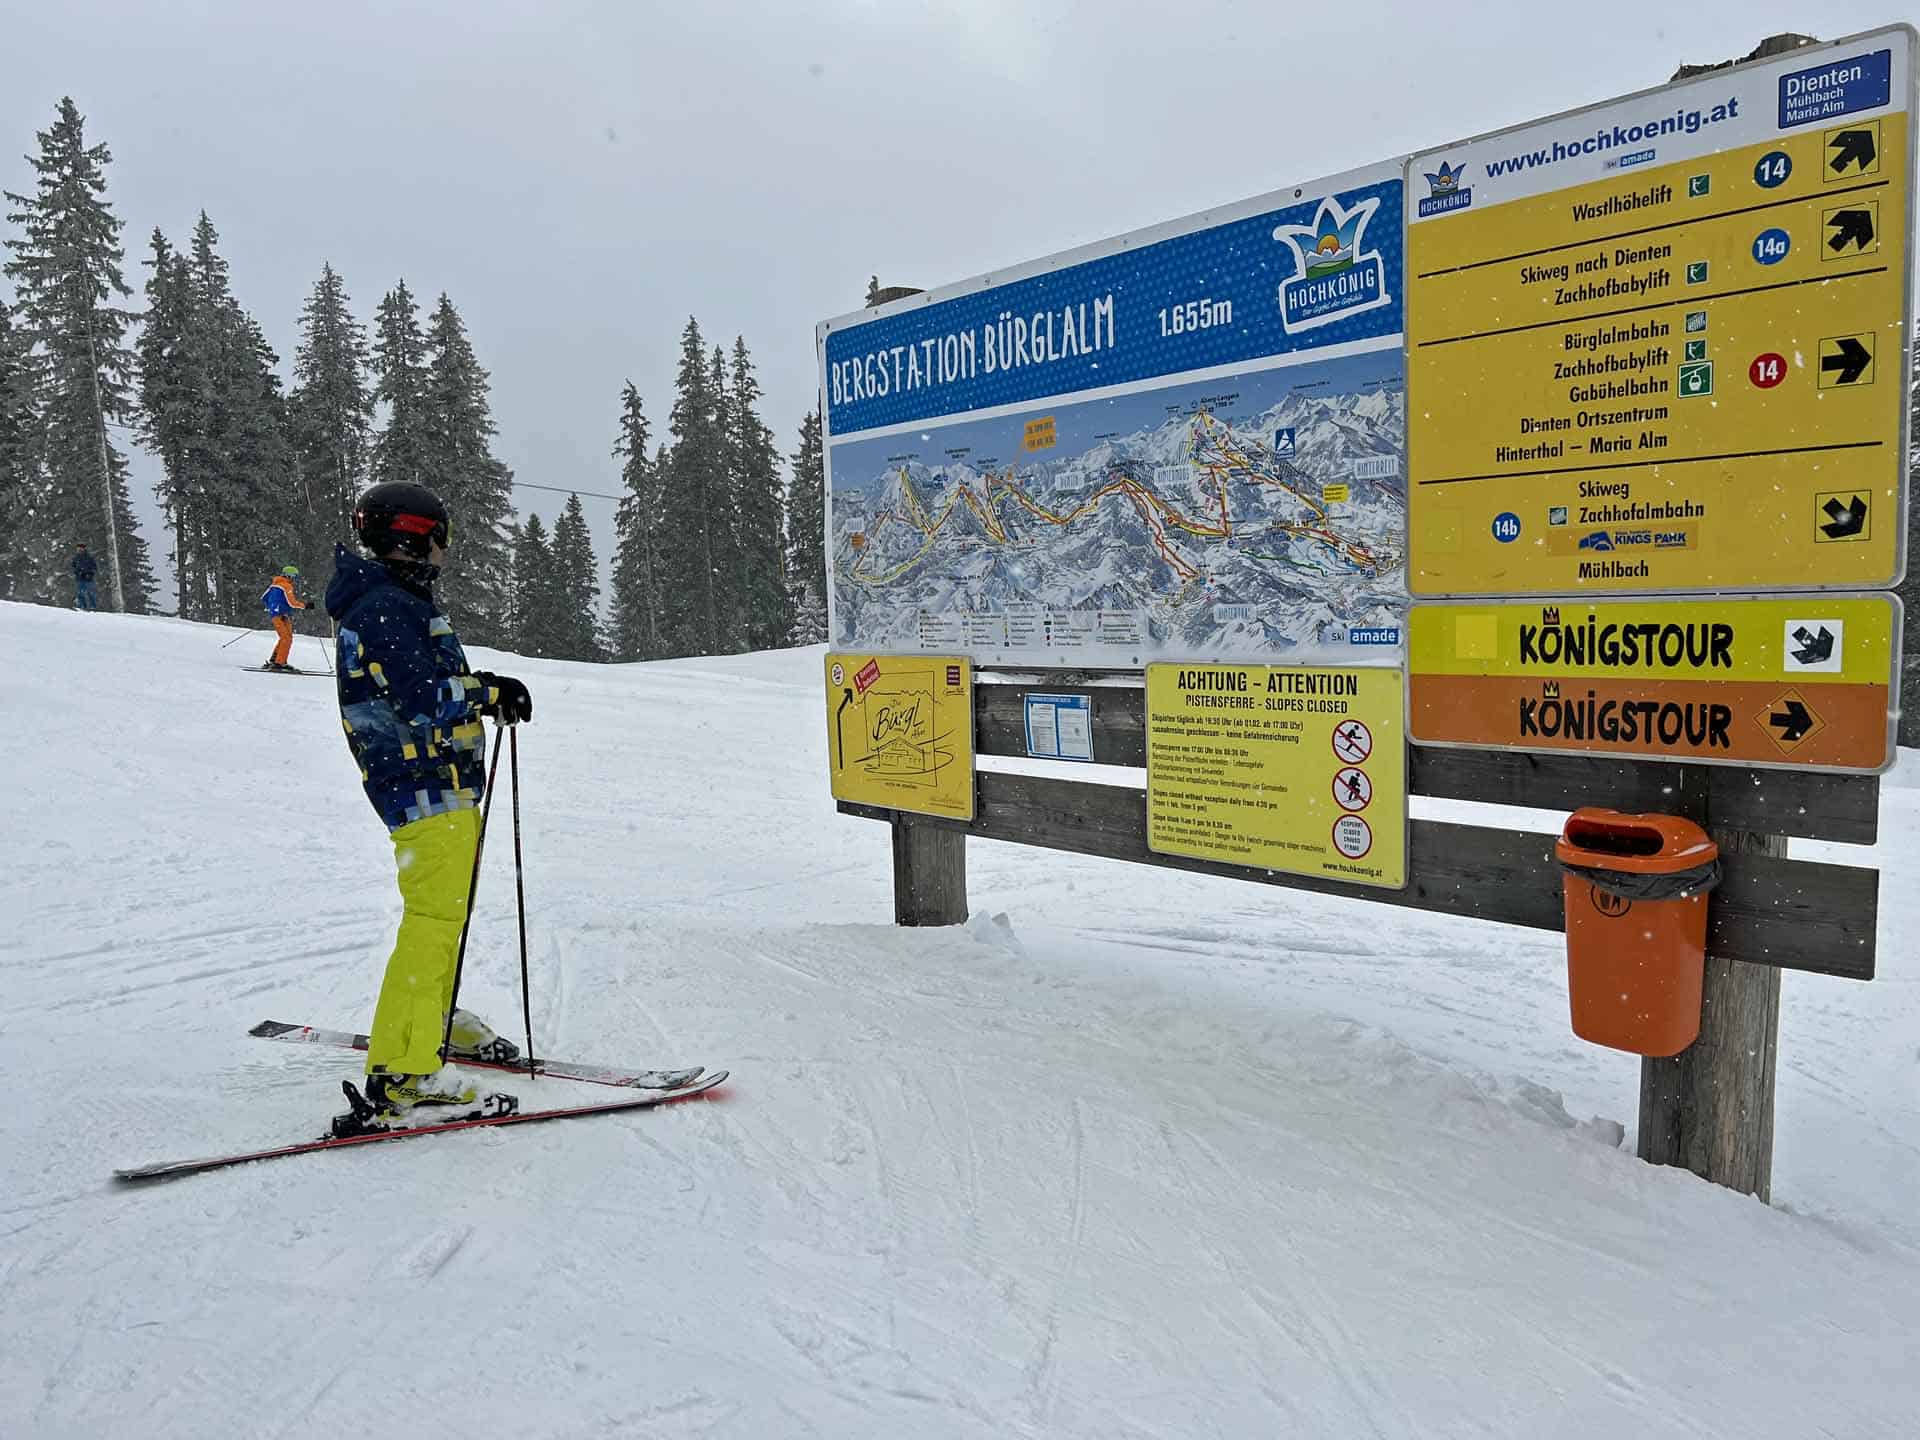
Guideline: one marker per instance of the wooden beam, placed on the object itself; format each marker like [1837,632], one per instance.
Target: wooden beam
[929,872]
[1812,804]
[1796,915]
[1709,1109]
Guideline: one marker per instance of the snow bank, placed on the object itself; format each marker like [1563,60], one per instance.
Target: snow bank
[1132,1154]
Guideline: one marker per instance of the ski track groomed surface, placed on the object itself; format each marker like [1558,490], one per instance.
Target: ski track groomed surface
[1132,1155]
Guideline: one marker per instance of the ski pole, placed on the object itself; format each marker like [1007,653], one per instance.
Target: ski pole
[238,638]
[473,884]
[520,893]
[324,655]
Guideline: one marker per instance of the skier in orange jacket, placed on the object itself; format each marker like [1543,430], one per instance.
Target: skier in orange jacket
[280,603]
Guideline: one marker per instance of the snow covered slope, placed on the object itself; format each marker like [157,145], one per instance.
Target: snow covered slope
[1132,1155]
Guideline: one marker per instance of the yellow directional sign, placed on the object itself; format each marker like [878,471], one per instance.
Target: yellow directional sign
[1282,767]
[1806,680]
[1641,337]
[900,732]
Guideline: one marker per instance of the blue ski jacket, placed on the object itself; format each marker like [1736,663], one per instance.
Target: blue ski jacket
[408,700]
[279,598]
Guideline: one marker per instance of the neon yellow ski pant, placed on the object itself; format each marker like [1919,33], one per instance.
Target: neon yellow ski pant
[435,861]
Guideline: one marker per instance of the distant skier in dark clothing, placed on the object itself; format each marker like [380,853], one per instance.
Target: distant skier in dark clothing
[411,707]
[85,597]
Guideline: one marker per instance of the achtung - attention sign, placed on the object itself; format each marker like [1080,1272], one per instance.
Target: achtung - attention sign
[1807,681]
[1659,344]
[1284,767]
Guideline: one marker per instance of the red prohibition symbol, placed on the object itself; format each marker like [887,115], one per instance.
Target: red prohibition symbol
[1352,789]
[1352,742]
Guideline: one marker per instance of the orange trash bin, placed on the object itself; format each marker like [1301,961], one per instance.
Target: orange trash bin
[1636,902]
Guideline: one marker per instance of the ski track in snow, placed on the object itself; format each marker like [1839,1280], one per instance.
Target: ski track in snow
[1132,1154]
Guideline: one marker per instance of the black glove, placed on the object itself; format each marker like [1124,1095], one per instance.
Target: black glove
[507,699]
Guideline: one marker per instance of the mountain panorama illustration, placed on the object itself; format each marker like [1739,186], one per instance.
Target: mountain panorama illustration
[1264,521]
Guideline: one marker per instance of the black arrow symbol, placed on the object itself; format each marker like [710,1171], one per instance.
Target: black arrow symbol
[840,745]
[1850,227]
[1848,519]
[1793,722]
[1850,358]
[1851,146]
[1814,649]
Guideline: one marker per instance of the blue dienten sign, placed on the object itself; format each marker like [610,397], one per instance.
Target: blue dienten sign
[1836,88]
[1300,277]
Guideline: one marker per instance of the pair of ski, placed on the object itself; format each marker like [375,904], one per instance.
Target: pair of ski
[282,670]
[658,1086]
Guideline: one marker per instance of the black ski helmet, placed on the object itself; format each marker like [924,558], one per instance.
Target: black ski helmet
[399,515]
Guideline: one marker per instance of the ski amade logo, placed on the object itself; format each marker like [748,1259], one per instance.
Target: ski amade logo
[1444,192]
[1373,635]
[1338,276]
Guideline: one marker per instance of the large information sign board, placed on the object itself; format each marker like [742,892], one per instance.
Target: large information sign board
[1805,681]
[1663,344]
[1284,767]
[900,732]
[1188,440]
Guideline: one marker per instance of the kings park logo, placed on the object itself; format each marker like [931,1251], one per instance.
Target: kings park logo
[1338,276]
[1444,191]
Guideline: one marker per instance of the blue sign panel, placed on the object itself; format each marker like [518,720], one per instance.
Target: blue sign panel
[1836,88]
[1060,727]
[1322,272]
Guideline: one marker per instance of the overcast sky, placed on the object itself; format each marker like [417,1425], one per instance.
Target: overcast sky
[580,177]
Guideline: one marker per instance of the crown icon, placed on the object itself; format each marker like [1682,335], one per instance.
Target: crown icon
[1550,690]
[1549,614]
[1446,181]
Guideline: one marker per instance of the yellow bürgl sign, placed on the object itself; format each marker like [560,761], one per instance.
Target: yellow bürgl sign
[1661,344]
[1807,681]
[1283,767]
[900,732]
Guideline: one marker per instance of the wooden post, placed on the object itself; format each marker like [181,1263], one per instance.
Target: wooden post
[1710,1108]
[929,873]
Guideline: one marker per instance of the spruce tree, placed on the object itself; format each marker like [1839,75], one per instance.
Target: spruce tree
[723,535]
[534,612]
[634,627]
[330,414]
[692,483]
[172,410]
[19,446]
[66,270]
[258,470]
[806,537]
[758,506]
[212,410]
[576,575]
[460,467]
[400,368]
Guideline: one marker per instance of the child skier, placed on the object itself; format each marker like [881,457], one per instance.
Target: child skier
[280,602]
[411,707]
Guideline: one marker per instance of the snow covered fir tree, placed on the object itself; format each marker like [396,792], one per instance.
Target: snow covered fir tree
[66,376]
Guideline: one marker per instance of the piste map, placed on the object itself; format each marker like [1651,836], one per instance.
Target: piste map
[1261,513]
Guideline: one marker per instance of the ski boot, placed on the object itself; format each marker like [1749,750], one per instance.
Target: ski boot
[391,1102]
[473,1039]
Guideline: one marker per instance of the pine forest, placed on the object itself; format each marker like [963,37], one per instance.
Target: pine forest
[717,543]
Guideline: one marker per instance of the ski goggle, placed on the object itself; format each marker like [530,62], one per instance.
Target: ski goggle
[438,531]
